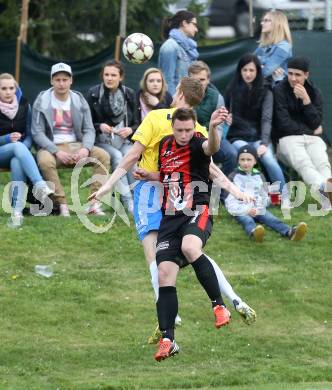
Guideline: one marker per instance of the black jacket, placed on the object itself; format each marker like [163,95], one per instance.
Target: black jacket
[252,121]
[291,116]
[17,124]
[98,117]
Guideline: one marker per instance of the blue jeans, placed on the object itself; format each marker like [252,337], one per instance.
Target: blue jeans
[116,155]
[227,156]
[249,223]
[268,161]
[18,158]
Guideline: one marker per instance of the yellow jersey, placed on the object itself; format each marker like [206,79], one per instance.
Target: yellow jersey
[155,126]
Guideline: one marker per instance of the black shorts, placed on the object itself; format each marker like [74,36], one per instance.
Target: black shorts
[172,230]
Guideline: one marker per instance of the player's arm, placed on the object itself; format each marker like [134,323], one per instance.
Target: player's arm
[125,165]
[221,180]
[212,144]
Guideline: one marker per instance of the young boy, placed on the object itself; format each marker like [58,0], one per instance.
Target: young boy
[249,179]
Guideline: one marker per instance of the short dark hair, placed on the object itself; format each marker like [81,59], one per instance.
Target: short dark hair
[184,114]
[117,64]
[299,63]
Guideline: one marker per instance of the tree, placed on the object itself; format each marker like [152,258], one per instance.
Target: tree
[74,29]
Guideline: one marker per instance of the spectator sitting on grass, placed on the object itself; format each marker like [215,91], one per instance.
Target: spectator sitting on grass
[63,132]
[153,93]
[212,100]
[115,118]
[15,142]
[298,115]
[250,180]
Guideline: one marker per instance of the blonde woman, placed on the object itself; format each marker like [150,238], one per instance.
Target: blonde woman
[153,92]
[275,46]
[15,142]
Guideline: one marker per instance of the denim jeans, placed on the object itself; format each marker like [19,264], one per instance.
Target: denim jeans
[268,161]
[18,158]
[227,156]
[249,223]
[116,156]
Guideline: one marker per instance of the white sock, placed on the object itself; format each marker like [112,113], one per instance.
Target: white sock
[225,288]
[154,278]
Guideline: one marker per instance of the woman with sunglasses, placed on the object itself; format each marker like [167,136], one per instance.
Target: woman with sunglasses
[179,50]
[275,46]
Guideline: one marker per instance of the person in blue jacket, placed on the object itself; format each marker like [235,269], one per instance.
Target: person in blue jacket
[180,49]
[275,46]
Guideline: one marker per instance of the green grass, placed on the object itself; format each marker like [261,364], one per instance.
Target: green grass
[86,327]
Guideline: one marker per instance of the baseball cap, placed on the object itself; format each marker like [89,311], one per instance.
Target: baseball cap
[61,67]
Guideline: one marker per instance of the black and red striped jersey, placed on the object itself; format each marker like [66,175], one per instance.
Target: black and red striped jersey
[184,173]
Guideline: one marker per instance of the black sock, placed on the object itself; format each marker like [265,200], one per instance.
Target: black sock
[208,279]
[167,309]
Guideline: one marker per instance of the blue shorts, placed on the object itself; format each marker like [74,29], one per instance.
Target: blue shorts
[147,207]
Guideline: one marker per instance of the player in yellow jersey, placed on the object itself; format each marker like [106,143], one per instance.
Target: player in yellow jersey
[147,195]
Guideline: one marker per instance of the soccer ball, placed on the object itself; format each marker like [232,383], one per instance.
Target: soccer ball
[137,48]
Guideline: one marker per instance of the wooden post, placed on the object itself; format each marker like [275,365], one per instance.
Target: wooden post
[251,19]
[22,38]
[18,59]
[122,30]
[117,47]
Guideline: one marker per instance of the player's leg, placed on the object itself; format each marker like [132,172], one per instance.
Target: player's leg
[168,248]
[247,313]
[167,308]
[192,249]
[149,247]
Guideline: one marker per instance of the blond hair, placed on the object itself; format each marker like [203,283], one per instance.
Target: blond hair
[197,67]
[8,76]
[280,29]
[143,86]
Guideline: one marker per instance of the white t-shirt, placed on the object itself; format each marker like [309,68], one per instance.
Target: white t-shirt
[63,130]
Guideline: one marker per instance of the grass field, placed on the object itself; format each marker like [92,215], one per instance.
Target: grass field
[86,327]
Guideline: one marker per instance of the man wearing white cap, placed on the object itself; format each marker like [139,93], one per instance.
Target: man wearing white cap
[63,131]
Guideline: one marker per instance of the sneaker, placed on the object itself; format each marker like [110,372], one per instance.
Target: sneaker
[156,336]
[95,209]
[328,187]
[258,233]
[167,348]
[298,232]
[222,316]
[16,220]
[64,210]
[246,312]
[178,321]
[41,191]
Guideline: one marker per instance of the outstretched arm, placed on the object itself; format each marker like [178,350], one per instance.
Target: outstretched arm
[218,177]
[125,164]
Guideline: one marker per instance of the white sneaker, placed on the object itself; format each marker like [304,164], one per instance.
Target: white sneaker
[64,210]
[95,209]
[41,190]
[246,312]
[16,220]
[178,320]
